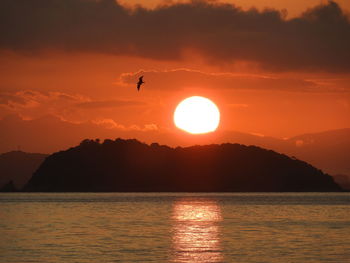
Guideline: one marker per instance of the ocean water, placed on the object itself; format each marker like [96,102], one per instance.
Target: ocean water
[175,227]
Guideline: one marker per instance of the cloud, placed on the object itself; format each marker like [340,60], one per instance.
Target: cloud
[187,78]
[99,104]
[32,135]
[74,107]
[319,39]
[238,105]
[30,99]
[7,99]
[109,124]
[112,124]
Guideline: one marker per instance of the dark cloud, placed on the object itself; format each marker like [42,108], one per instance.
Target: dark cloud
[319,39]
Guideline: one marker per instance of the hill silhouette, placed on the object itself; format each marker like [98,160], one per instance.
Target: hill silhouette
[129,165]
[17,167]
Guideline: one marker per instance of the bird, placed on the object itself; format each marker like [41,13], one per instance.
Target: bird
[140,83]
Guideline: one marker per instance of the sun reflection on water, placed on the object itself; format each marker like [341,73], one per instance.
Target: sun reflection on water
[195,231]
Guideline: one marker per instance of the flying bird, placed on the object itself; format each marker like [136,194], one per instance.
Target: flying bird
[140,83]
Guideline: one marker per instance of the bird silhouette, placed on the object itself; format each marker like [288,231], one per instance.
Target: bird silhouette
[140,83]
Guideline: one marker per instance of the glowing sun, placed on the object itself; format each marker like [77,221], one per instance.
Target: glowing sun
[197,115]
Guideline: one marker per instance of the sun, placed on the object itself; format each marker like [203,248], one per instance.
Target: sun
[197,115]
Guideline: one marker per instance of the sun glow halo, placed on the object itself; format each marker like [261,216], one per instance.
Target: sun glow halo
[197,115]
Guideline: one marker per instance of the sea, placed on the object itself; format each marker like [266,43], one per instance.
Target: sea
[175,227]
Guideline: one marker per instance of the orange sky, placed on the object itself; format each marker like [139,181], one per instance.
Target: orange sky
[260,90]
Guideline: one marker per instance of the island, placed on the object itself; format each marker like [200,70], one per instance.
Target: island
[132,166]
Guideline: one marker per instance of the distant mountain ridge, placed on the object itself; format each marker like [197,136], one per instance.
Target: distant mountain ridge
[129,165]
[329,150]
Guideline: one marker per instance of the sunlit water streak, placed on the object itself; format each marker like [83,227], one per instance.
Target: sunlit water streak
[169,227]
[196,232]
